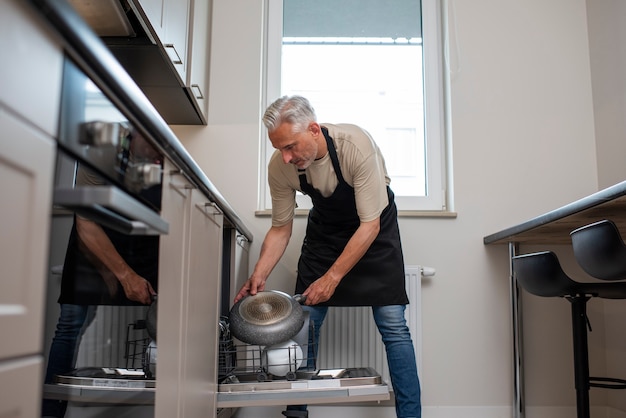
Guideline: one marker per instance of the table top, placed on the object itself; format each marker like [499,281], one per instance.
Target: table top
[555,226]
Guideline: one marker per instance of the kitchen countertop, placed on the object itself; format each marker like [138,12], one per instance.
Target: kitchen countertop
[555,226]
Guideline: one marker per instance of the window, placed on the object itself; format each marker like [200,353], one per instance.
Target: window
[375,64]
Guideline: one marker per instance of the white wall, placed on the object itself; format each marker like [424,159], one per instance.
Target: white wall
[522,130]
[607,41]
[607,44]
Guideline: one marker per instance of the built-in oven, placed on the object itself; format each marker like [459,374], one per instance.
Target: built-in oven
[100,137]
[100,316]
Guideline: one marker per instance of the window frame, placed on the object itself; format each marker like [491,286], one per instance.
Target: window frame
[434,105]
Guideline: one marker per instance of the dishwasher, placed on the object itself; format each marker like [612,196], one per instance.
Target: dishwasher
[286,374]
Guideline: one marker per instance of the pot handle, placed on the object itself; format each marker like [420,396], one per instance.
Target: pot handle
[299,298]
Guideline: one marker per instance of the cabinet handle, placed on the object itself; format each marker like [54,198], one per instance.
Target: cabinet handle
[241,240]
[180,182]
[197,91]
[216,209]
[175,57]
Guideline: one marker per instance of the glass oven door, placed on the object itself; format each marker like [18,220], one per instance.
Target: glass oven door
[104,245]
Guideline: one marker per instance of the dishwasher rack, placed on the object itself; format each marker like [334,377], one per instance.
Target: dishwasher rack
[286,362]
[140,351]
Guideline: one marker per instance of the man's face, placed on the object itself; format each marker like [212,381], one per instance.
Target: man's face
[297,148]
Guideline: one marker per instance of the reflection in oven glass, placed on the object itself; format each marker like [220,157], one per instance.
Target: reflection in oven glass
[105,281]
[108,281]
[100,136]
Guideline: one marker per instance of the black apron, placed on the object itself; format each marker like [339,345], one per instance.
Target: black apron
[83,282]
[378,278]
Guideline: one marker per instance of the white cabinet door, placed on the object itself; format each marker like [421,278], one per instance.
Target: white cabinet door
[28,49]
[200,355]
[20,392]
[182,29]
[26,175]
[168,22]
[153,10]
[190,264]
[176,35]
[198,72]
[176,200]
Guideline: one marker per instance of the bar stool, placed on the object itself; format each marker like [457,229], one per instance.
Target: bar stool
[600,250]
[541,274]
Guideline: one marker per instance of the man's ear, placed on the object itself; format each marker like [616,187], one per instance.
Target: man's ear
[315,128]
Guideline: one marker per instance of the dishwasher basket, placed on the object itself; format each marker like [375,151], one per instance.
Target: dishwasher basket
[140,351]
[286,361]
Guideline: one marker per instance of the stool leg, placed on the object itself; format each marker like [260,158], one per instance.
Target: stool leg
[581,355]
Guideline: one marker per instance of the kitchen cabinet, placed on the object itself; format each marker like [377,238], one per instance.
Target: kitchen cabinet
[168,22]
[182,30]
[200,36]
[153,10]
[26,167]
[26,170]
[189,300]
[167,57]
[28,91]
[200,348]
[19,396]
[28,101]
[175,208]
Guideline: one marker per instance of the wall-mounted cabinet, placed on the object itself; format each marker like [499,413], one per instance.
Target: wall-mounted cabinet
[168,20]
[200,41]
[164,47]
[175,76]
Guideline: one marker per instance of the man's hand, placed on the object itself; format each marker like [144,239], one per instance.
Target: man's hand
[138,289]
[320,290]
[273,247]
[323,288]
[251,287]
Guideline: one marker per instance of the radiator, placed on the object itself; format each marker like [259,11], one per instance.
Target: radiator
[115,338]
[349,337]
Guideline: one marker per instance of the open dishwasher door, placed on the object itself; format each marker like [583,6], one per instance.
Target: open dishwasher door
[323,386]
[283,375]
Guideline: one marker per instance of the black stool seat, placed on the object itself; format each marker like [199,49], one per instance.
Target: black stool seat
[541,274]
[600,250]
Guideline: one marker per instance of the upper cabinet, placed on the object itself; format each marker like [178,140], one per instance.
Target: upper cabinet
[165,51]
[181,27]
[169,21]
[153,10]
[198,80]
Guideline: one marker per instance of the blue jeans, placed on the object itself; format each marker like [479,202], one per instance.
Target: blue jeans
[395,334]
[73,320]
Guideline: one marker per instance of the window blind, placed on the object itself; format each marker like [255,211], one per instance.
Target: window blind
[352,18]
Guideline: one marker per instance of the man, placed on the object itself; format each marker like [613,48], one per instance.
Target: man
[351,254]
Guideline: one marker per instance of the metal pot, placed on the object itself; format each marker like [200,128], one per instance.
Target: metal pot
[267,318]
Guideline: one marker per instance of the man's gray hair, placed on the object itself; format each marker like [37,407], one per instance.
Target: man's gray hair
[295,110]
